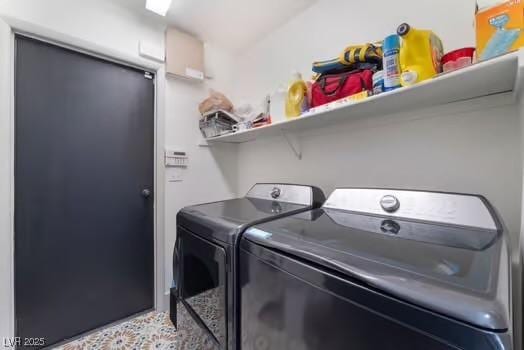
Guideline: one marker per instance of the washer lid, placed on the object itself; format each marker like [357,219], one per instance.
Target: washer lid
[224,220]
[461,272]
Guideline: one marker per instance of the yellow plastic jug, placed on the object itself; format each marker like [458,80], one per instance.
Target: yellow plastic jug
[296,100]
[420,54]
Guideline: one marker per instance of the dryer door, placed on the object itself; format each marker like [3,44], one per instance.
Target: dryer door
[203,282]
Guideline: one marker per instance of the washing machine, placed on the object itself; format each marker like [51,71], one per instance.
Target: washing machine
[378,269]
[203,296]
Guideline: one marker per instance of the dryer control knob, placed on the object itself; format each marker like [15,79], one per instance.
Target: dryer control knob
[275,193]
[390,203]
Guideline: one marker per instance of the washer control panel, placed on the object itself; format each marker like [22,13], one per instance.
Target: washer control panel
[296,194]
[446,208]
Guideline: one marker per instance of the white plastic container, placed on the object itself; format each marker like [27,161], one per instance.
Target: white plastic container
[278,105]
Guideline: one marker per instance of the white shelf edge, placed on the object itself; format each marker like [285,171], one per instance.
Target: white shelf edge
[289,125]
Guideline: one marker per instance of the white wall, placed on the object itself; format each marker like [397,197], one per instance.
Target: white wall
[6,264]
[102,22]
[459,149]
[211,174]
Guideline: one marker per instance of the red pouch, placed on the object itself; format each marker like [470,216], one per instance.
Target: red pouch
[329,88]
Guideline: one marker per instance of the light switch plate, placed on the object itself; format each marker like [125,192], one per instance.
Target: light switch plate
[175,175]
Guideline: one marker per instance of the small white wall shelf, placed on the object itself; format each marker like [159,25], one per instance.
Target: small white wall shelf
[499,75]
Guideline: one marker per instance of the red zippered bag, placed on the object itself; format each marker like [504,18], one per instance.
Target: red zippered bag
[332,87]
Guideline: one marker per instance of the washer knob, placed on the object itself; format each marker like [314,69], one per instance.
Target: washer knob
[390,203]
[275,193]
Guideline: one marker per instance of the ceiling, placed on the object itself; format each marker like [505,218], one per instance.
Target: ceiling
[231,24]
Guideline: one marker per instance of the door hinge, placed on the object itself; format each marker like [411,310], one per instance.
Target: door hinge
[148,75]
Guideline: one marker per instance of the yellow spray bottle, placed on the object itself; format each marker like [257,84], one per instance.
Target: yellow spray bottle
[420,54]
[296,100]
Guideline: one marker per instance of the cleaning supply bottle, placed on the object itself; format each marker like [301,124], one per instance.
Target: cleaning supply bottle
[391,62]
[296,100]
[420,54]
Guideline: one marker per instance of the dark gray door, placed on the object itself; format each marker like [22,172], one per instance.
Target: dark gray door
[84,149]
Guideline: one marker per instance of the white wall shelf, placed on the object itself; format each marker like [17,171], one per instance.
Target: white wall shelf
[500,75]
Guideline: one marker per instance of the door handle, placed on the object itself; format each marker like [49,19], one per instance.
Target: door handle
[146,193]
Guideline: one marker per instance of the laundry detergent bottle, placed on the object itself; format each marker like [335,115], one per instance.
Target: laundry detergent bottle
[420,54]
[296,100]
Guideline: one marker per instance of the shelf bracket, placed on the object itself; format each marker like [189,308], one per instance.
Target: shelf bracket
[202,142]
[293,143]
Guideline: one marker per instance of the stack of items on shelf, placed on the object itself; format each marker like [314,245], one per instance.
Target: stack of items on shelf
[217,123]
[220,117]
[403,59]
[217,117]
[408,57]
[346,78]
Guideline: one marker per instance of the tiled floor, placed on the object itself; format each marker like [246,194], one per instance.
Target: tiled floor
[147,332]
[154,330]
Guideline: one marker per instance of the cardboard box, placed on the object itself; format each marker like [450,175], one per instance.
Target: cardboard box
[184,55]
[500,29]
